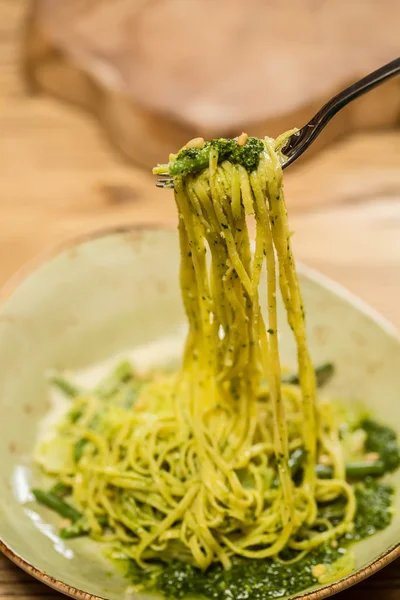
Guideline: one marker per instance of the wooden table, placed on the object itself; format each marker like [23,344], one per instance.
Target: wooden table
[59,177]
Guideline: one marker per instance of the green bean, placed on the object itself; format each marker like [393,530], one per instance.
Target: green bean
[323,373]
[295,463]
[81,527]
[75,414]
[60,489]
[66,387]
[324,471]
[296,460]
[355,470]
[123,373]
[55,503]
[131,397]
[79,448]
[367,468]
[77,529]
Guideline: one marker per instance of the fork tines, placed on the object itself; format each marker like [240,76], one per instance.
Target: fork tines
[165,181]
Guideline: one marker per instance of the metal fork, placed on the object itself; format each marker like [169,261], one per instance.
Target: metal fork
[302,139]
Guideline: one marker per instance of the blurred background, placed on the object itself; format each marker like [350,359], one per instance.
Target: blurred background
[93,93]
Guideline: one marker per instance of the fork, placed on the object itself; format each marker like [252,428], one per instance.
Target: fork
[304,137]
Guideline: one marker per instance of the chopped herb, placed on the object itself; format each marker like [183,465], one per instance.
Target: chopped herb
[191,160]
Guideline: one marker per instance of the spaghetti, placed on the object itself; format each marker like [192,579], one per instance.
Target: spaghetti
[200,466]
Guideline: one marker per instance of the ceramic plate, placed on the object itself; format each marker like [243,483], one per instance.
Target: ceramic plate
[116,292]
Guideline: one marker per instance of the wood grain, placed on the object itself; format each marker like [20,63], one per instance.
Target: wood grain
[59,177]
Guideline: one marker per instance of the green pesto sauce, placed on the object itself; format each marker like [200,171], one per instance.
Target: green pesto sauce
[246,580]
[251,579]
[192,160]
[268,579]
[383,440]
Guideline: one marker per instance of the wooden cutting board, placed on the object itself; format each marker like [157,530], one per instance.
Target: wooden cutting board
[160,72]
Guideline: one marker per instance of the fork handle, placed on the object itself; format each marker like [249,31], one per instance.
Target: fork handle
[309,132]
[362,86]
